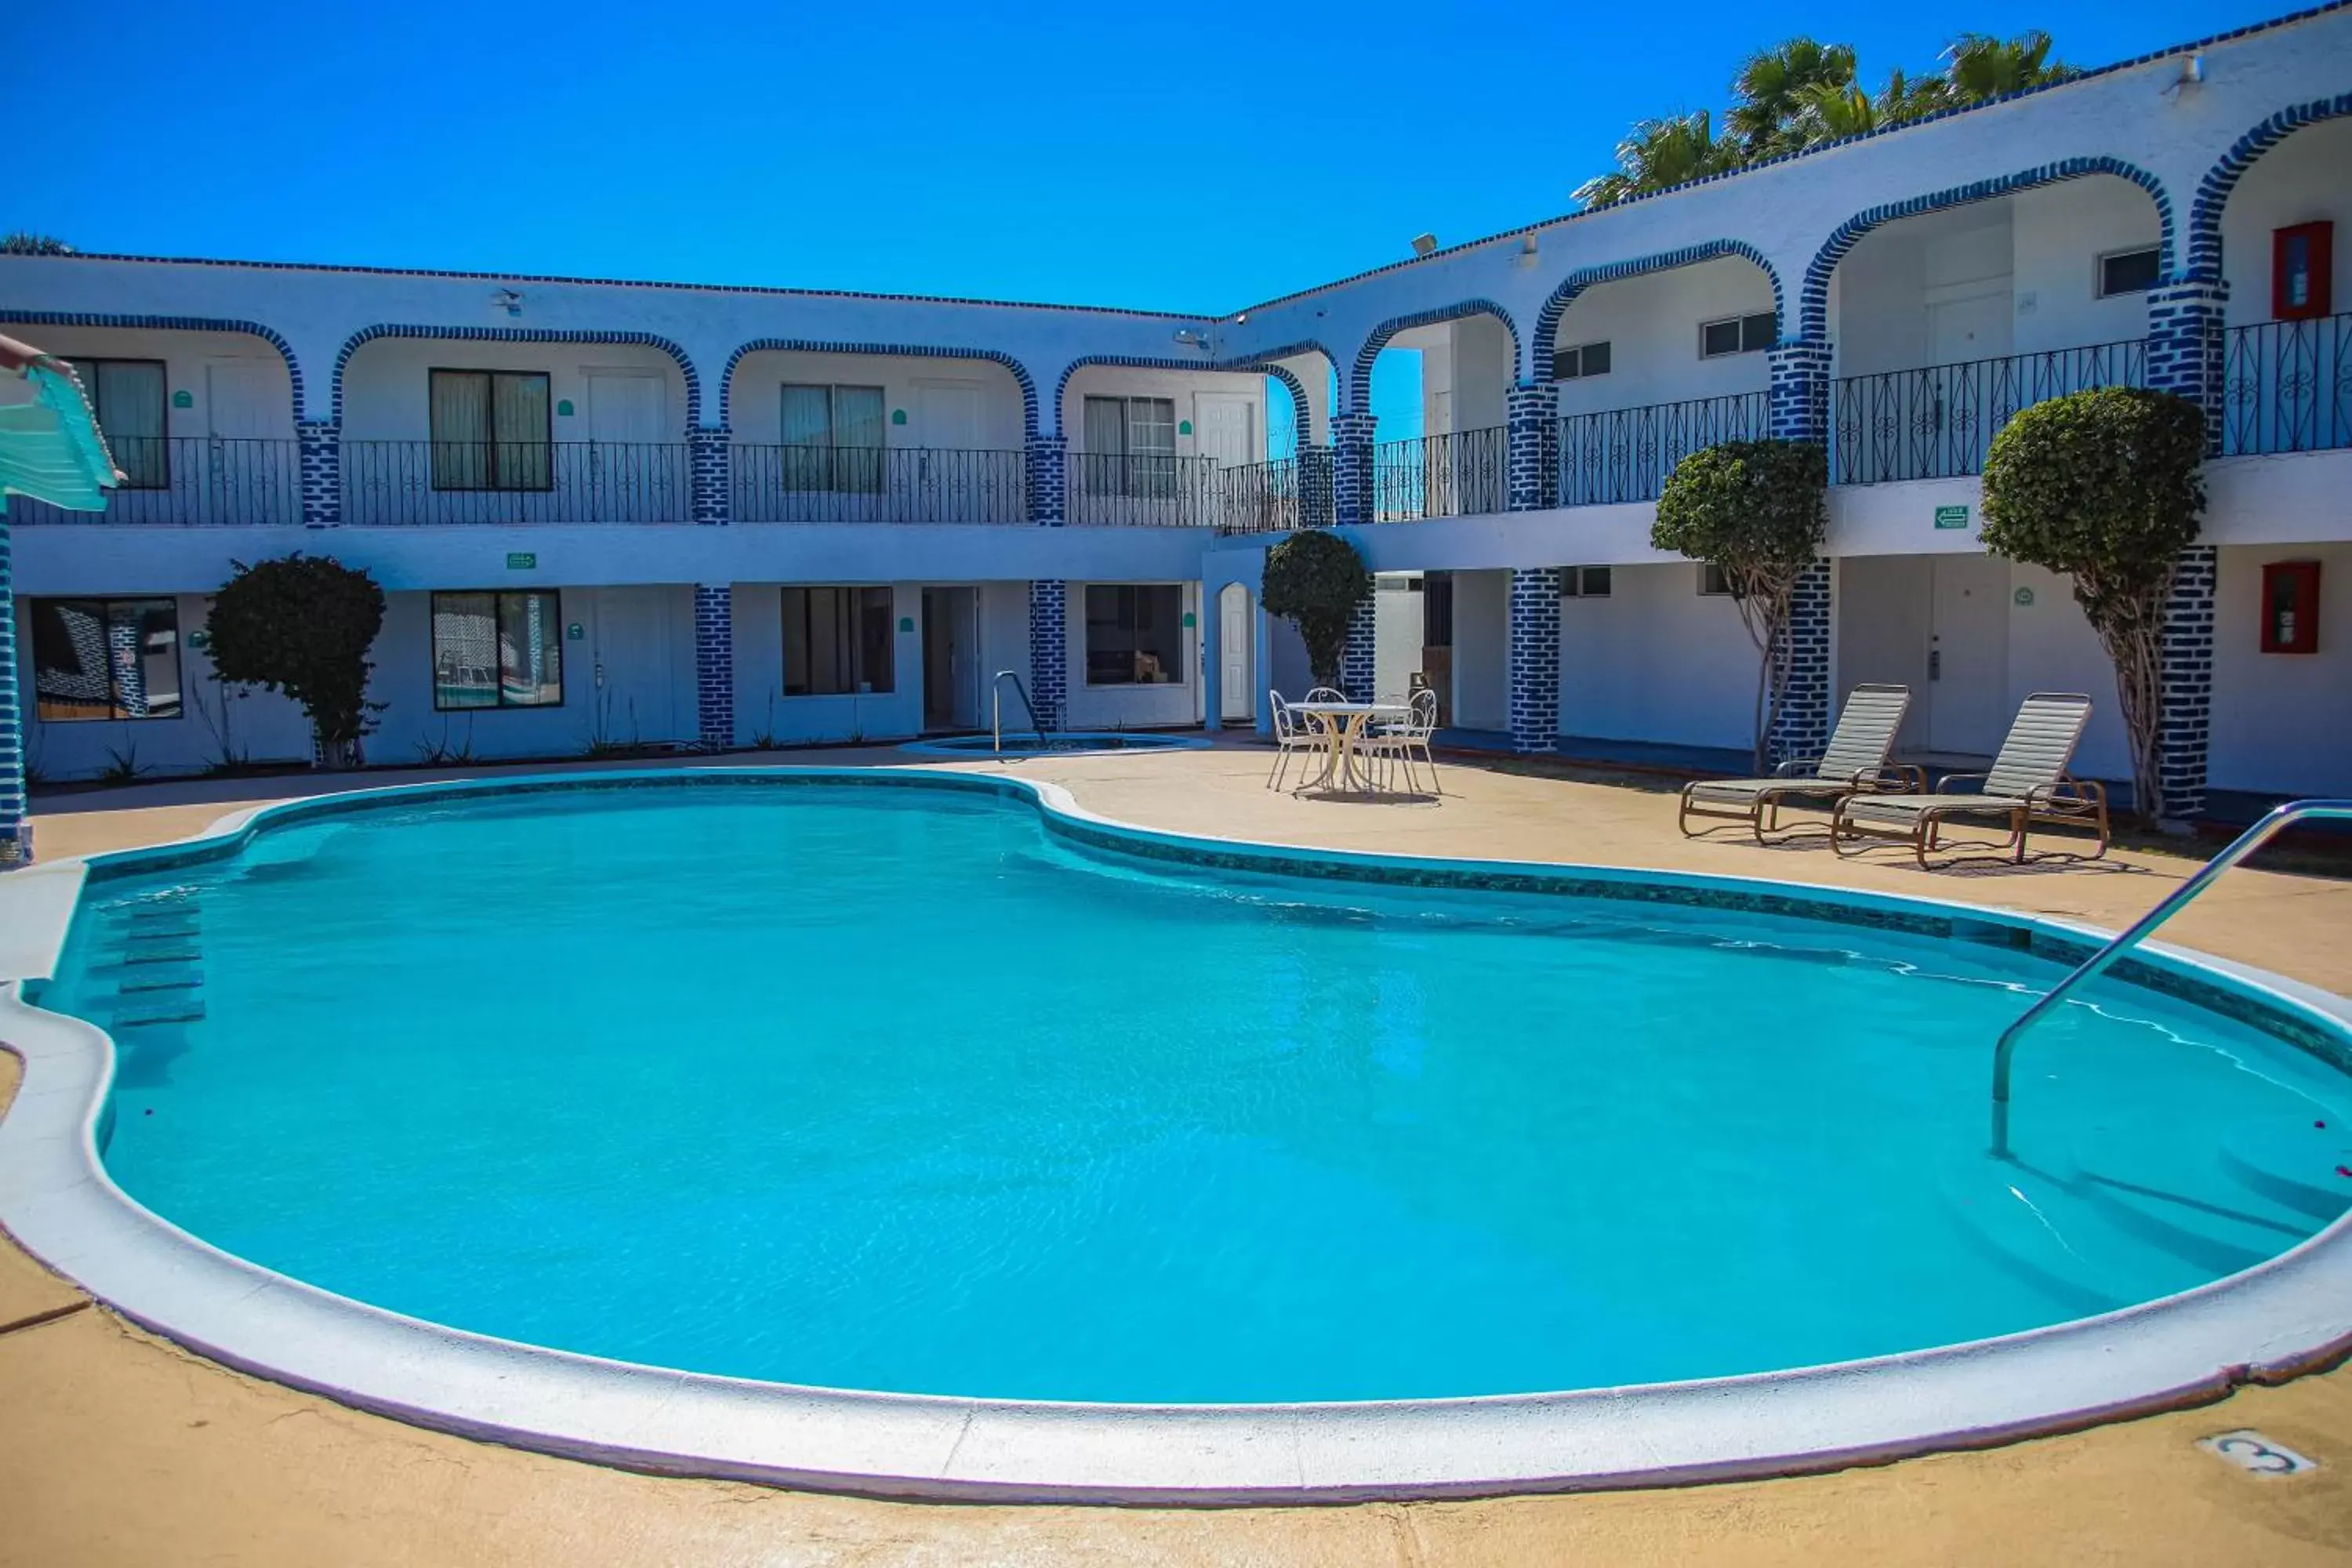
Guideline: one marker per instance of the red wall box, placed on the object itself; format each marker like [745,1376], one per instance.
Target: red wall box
[2302,260]
[2291,606]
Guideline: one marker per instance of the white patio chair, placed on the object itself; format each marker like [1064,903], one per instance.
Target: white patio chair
[1395,742]
[1292,732]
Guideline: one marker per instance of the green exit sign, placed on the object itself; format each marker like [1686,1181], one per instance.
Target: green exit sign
[528,559]
[1951,517]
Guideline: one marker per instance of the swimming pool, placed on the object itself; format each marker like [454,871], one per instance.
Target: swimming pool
[892,1082]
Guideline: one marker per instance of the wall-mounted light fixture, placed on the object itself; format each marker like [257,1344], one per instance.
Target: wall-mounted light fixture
[2193,74]
[507,300]
[1527,250]
[1193,338]
[1422,244]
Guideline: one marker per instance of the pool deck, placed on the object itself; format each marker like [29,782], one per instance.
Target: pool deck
[117,1446]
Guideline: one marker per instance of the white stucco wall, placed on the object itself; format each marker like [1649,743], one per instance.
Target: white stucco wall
[1481,650]
[1657,660]
[187,358]
[387,385]
[1398,620]
[764,712]
[755,404]
[2302,179]
[2281,722]
[1124,707]
[1650,324]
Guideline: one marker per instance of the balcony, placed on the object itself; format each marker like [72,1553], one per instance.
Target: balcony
[395,483]
[2287,387]
[1938,422]
[1143,490]
[1625,454]
[191,481]
[1461,473]
[875,484]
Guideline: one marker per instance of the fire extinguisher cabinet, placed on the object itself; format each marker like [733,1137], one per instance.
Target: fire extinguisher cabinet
[2291,606]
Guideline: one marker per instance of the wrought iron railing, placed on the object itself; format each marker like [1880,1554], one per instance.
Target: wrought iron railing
[877,484]
[1259,498]
[1459,473]
[2287,387]
[1625,454]
[191,481]
[1146,491]
[1937,422]
[392,482]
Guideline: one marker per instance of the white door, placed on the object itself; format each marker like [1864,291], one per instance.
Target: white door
[1237,688]
[1974,328]
[250,470]
[948,415]
[1225,426]
[628,405]
[1968,656]
[632,642]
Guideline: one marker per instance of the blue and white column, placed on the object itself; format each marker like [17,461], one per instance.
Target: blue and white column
[1359,669]
[1533,653]
[16,826]
[1800,728]
[1799,401]
[1531,413]
[1047,463]
[1351,467]
[2187,339]
[709,459]
[319,447]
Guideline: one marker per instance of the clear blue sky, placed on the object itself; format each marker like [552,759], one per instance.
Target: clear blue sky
[1187,158]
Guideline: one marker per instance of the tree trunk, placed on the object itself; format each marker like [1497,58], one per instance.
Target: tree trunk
[2134,645]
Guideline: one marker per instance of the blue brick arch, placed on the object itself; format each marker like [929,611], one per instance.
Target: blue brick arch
[2203,261]
[171,324]
[520,335]
[1539,352]
[1253,364]
[1358,389]
[1813,315]
[1028,383]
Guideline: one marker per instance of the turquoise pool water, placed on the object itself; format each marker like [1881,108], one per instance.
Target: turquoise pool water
[892,1089]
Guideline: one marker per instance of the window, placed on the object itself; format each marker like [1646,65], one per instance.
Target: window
[832,438]
[489,430]
[1130,447]
[1581,363]
[128,396]
[838,642]
[1712,582]
[1584,582]
[1135,634]
[106,658]
[2128,271]
[1736,335]
[498,650]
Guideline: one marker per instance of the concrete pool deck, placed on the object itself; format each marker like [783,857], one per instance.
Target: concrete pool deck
[124,1449]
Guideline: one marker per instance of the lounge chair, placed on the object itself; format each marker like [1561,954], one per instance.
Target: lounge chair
[1854,761]
[2028,784]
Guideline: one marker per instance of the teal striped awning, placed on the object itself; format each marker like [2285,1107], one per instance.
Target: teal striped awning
[50,448]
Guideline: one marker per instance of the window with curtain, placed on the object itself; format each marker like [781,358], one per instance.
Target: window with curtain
[106,658]
[498,650]
[1130,446]
[128,396]
[838,642]
[490,430]
[1135,634]
[832,438]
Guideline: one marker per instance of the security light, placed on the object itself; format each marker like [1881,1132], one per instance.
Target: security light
[1422,244]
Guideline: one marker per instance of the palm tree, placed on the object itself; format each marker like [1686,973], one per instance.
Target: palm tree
[1769,94]
[24,243]
[1659,155]
[1983,66]
[1827,112]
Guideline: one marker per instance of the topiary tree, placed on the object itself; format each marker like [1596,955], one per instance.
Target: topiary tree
[1755,511]
[2104,487]
[1315,580]
[302,626]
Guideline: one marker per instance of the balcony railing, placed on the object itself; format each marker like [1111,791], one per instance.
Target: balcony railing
[2287,387]
[395,482]
[1461,473]
[1938,422]
[877,484]
[201,481]
[1260,497]
[1143,492]
[1625,454]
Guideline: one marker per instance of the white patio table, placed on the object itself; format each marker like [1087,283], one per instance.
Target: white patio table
[1344,723]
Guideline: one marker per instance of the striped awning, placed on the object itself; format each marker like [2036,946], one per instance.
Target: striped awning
[51,447]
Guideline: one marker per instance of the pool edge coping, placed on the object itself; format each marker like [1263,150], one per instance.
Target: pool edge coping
[2291,1314]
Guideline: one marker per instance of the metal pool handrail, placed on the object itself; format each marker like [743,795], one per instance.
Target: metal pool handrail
[2245,843]
[996,707]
